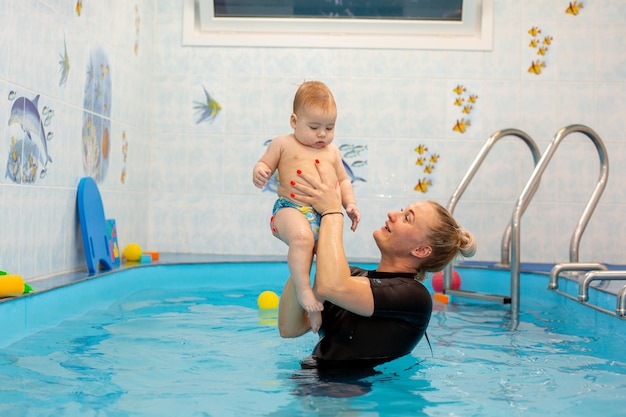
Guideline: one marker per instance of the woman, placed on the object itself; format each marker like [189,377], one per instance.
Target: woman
[372,317]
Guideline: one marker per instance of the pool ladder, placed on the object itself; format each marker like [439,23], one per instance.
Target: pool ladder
[511,239]
[458,193]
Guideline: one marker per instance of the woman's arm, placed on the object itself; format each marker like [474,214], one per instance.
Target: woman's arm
[333,281]
[292,319]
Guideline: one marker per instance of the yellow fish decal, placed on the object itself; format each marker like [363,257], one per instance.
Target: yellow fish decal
[467,109]
[548,40]
[542,51]
[434,158]
[64,63]
[207,109]
[461,125]
[429,168]
[458,101]
[421,149]
[472,98]
[533,43]
[422,185]
[420,161]
[574,8]
[459,89]
[534,31]
[535,67]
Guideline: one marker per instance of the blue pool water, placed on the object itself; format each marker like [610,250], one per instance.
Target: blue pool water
[189,340]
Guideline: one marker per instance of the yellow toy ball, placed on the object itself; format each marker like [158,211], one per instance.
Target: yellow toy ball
[133,252]
[268,300]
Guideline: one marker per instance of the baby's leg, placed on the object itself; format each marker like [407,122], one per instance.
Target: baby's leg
[300,258]
[294,229]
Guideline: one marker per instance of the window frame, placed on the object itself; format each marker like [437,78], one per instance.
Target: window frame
[474,32]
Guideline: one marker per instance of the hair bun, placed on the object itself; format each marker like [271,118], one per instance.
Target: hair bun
[467,246]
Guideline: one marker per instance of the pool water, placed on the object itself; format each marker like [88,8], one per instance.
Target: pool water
[203,348]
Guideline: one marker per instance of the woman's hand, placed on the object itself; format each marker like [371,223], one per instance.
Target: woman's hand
[322,195]
[332,277]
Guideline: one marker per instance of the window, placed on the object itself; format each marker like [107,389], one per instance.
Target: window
[401,24]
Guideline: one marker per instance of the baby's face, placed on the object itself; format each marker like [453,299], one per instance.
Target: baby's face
[314,127]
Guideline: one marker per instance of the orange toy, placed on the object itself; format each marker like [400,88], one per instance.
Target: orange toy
[442,298]
[154,255]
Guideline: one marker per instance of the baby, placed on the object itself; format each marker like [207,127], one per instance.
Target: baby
[313,123]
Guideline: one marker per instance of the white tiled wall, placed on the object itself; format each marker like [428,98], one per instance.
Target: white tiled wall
[188,186]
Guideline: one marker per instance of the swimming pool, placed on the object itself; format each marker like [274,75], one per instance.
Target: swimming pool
[188,340]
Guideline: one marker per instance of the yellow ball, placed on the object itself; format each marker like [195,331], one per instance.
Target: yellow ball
[133,252]
[268,300]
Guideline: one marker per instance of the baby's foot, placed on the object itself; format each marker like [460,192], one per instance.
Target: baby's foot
[309,302]
[315,320]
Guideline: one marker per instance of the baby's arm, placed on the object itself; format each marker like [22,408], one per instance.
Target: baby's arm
[261,174]
[349,202]
[266,166]
[347,193]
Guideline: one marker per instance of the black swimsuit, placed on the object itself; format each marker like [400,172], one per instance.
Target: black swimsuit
[402,309]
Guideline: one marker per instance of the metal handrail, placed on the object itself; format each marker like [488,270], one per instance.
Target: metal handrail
[592,272]
[620,309]
[527,193]
[585,281]
[469,175]
[573,266]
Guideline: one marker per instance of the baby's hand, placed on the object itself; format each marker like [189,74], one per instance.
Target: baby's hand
[261,174]
[355,216]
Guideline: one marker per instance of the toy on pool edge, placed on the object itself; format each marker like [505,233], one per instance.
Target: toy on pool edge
[442,298]
[268,300]
[13,285]
[133,252]
[437,281]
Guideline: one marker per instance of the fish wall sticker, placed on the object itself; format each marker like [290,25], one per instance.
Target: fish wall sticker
[574,8]
[29,154]
[64,64]
[426,163]
[466,102]
[541,43]
[97,117]
[354,159]
[206,110]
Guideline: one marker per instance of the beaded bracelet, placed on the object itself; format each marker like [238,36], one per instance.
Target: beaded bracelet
[331,212]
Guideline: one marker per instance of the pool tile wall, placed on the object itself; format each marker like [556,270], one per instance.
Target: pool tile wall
[177,184]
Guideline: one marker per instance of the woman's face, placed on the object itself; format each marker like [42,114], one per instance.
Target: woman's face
[406,230]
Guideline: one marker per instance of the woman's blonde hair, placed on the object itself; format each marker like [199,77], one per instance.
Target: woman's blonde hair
[447,240]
